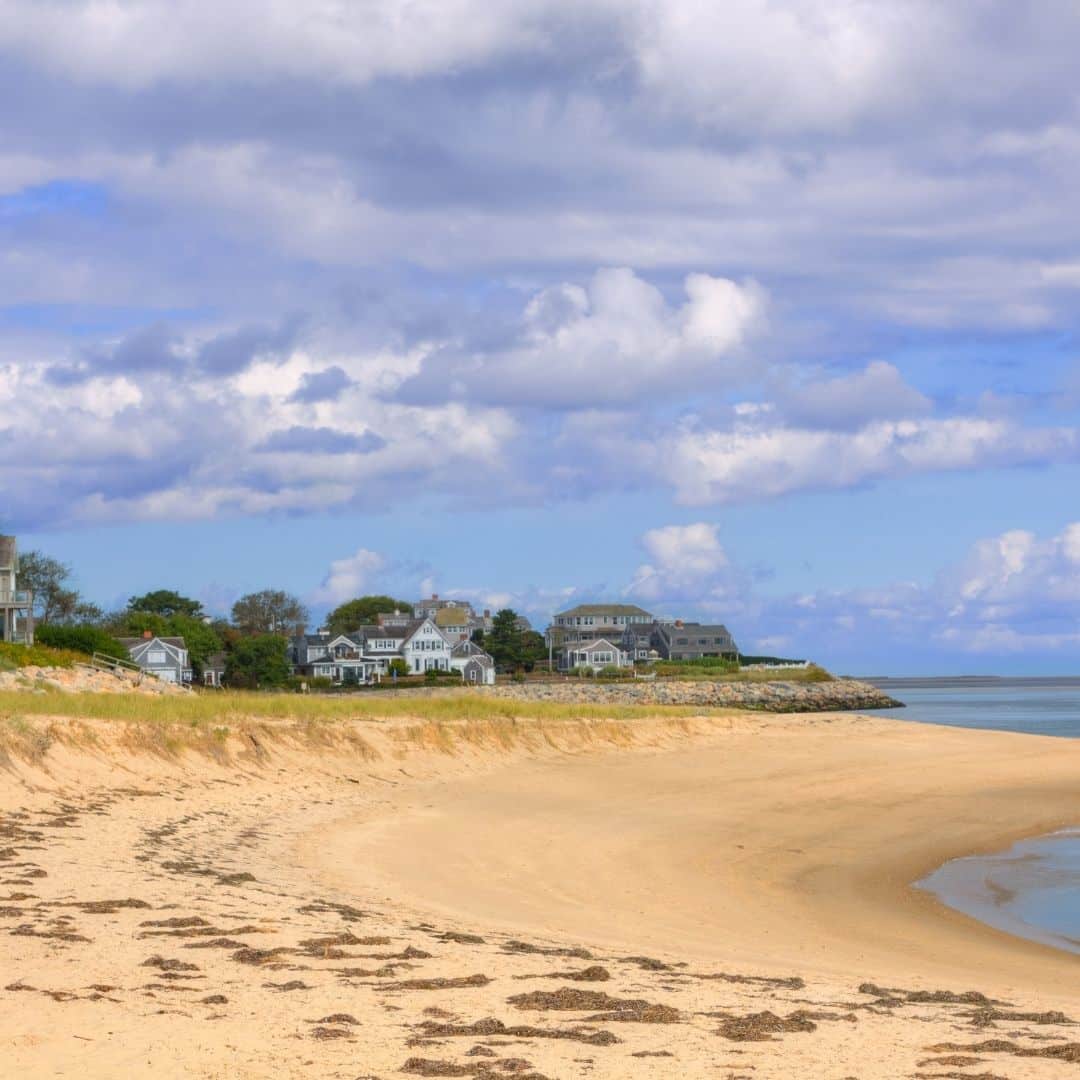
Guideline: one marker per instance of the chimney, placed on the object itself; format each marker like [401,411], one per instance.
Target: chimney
[679,623]
[434,596]
[148,635]
[487,613]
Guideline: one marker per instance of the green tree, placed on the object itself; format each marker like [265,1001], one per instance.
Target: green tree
[533,649]
[504,642]
[270,611]
[359,612]
[398,667]
[84,639]
[55,600]
[258,661]
[165,602]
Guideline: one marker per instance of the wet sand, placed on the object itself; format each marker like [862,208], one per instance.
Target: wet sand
[727,897]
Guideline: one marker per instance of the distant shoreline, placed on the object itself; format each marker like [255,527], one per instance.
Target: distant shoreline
[897,682]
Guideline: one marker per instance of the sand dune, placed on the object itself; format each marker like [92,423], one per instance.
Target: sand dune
[718,897]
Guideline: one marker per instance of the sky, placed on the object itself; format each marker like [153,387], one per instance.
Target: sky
[762,312]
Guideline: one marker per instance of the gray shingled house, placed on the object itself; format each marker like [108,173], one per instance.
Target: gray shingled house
[16,605]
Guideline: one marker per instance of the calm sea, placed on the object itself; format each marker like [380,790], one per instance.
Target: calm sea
[1033,889]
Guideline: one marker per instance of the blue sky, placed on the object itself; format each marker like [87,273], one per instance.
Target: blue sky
[765,313]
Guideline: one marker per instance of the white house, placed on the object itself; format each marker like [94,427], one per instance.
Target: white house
[426,647]
[366,653]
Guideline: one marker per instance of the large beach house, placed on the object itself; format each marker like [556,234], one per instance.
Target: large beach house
[367,652]
[16,605]
[623,634]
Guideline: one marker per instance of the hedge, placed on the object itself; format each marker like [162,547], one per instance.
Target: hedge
[83,639]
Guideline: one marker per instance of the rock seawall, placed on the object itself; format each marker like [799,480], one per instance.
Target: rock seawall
[83,679]
[780,696]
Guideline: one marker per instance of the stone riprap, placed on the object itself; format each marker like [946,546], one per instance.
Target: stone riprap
[85,679]
[779,696]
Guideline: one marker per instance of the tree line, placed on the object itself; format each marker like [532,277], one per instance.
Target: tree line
[253,639]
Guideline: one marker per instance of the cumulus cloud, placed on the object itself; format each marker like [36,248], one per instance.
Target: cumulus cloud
[756,459]
[349,577]
[171,441]
[609,342]
[687,564]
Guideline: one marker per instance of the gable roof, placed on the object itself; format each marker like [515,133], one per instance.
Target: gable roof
[469,648]
[418,624]
[708,629]
[452,616]
[132,642]
[604,609]
[596,643]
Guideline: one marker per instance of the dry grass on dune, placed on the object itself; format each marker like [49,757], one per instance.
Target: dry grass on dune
[228,726]
[221,708]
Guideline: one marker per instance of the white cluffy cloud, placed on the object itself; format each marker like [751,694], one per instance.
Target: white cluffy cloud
[760,460]
[615,340]
[685,561]
[352,576]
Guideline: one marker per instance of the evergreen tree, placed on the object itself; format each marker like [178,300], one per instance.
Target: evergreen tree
[504,642]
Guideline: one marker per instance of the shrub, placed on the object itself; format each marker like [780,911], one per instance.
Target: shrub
[611,671]
[431,675]
[398,667]
[17,656]
[83,639]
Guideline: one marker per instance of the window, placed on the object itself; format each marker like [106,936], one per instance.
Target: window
[682,641]
[157,657]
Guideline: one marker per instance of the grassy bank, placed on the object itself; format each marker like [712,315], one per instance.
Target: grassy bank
[13,657]
[255,728]
[223,708]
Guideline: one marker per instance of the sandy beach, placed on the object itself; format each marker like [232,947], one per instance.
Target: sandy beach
[729,896]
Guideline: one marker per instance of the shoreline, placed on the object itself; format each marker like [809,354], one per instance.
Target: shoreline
[271,903]
[875,887]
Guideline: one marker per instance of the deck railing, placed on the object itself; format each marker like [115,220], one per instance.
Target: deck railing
[105,662]
[19,596]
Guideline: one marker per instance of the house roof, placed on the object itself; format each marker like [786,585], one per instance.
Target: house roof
[596,643]
[416,624]
[469,648]
[709,629]
[605,609]
[452,616]
[130,643]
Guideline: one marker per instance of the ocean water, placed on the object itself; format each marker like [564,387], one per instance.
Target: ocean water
[1033,889]
[1037,706]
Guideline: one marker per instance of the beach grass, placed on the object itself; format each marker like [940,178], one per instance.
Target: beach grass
[199,709]
[228,727]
